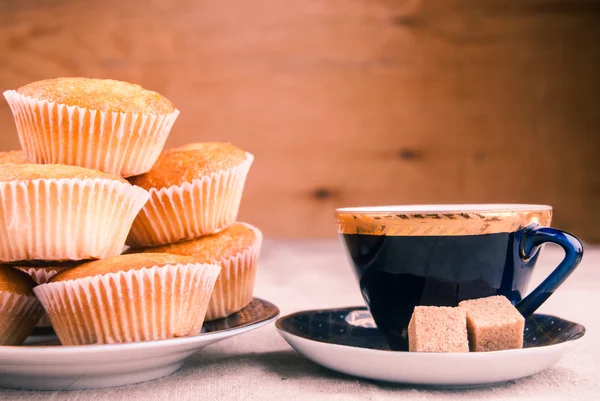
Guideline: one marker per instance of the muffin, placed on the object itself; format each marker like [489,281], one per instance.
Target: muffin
[102,124]
[129,298]
[41,273]
[194,190]
[236,250]
[13,157]
[55,212]
[19,308]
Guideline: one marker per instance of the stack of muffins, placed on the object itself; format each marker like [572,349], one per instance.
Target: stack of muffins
[91,178]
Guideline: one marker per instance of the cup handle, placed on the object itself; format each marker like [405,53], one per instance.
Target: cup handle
[530,242]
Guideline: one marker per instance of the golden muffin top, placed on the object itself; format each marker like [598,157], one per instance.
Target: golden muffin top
[13,157]
[27,172]
[99,94]
[216,247]
[15,281]
[187,163]
[121,263]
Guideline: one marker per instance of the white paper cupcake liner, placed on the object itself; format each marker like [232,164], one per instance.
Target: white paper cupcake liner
[66,219]
[41,276]
[125,144]
[137,305]
[44,321]
[204,206]
[235,286]
[18,316]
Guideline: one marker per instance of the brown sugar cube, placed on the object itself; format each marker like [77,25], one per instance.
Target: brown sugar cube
[493,323]
[438,329]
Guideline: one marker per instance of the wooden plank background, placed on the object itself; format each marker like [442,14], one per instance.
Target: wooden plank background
[350,102]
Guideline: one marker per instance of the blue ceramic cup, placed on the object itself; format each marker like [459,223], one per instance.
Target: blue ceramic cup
[439,255]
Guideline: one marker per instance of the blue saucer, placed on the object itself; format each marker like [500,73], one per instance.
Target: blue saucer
[355,327]
[348,341]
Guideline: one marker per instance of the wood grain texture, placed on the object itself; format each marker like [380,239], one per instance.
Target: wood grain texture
[350,102]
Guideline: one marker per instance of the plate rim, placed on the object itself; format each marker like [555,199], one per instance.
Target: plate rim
[522,351]
[9,350]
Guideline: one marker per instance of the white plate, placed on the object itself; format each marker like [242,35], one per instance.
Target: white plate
[347,340]
[41,365]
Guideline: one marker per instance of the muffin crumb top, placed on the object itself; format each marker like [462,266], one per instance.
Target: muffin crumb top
[187,163]
[15,281]
[215,247]
[99,94]
[13,157]
[27,172]
[121,263]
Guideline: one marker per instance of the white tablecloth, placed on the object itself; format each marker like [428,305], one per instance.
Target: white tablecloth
[310,275]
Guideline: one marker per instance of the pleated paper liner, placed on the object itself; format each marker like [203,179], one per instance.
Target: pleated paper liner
[205,206]
[41,275]
[18,315]
[125,144]
[235,286]
[66,219]
[136,305]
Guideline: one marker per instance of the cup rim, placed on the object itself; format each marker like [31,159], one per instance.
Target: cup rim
[440,219]
[448,208]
